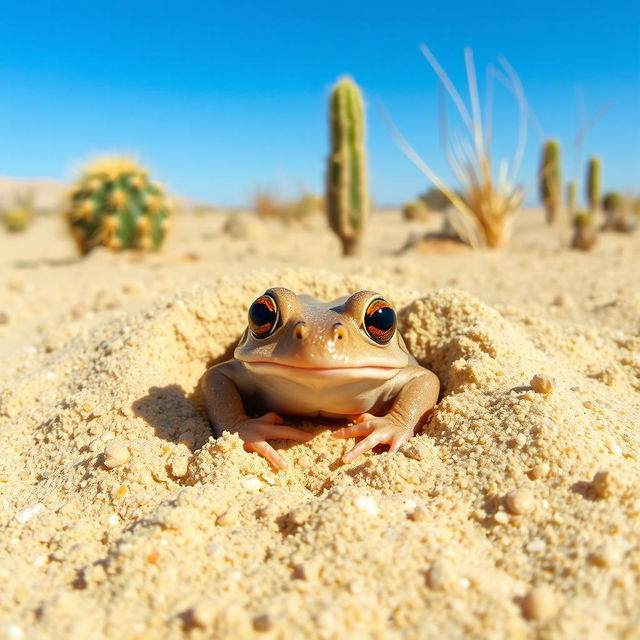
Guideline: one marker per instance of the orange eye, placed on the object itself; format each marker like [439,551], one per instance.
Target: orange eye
[380,321]
[263,316]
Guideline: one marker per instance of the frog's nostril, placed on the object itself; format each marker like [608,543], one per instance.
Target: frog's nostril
[339,331]
[301,331]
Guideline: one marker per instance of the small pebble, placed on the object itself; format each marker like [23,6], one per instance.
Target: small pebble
[251,483]
[367,504]
[26,513]
[501,517]
[605,556]
[419,451]
[14,632]
[521,440]
[180,466]
[229,517]
[519,501]
[408,504]
[116,453]
[542,383]
[540,604]
[540,471]
[307,570]
[602,484]
[536,545]
[203,612]
[563,300]
[438,576]
[419,514]
[263,622]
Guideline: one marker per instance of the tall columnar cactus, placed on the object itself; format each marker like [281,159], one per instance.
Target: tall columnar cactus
[572,196]
[551,180]
[594,183]
[114,204]
[347,192]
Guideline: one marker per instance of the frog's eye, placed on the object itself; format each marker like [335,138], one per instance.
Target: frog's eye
[380,321]
[263,316]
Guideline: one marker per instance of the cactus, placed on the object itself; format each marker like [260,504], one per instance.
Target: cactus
[612,202]
[17,219]
[347,200]
[114,204]
[594,181]
[415,210]
[551,180]
[572,194]
[584,235]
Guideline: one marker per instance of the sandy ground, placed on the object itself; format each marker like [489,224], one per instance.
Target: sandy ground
[516,514]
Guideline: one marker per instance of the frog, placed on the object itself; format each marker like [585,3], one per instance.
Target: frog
[300,356]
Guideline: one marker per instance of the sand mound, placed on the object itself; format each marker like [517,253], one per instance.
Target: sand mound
[516,513]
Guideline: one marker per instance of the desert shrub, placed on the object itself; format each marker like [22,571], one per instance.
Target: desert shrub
[488,198]
[415,210]
[268,206]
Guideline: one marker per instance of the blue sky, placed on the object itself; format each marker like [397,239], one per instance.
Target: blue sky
[221,99]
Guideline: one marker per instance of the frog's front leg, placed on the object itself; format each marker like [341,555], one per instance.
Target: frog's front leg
[226,412]
[409,411]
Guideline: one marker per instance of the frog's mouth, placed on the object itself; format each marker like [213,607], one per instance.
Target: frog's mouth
[340,372]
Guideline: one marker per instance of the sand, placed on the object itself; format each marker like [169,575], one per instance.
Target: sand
[516,514]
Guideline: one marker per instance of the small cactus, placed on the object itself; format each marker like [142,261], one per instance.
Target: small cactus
[16,219]
[594,181]
[415,210]
[616,213]
[584,236]
[551,180]
[612,202]
[572,197]
[115,205]
[347,199]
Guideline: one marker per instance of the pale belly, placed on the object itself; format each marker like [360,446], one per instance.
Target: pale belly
[328,393]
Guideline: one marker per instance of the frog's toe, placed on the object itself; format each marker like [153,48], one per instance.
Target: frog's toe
[366,444]
[363,417]
[272,417]
[398,441]
[265,450]
[354,431]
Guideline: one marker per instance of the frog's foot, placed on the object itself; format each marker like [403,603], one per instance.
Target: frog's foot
[377,430]
[256,431]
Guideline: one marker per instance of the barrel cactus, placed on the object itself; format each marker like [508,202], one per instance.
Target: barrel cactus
[16,219]
[415,210]
[115,205]
[551,180]
[347,201]
[594,182]
[584,233]
[612,202]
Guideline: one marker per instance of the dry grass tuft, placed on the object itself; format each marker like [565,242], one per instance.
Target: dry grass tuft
[267,205]
[486,200]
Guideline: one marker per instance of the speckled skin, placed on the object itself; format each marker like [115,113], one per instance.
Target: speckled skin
[320,361]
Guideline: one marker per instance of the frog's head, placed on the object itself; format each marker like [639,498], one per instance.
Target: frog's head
[298,336]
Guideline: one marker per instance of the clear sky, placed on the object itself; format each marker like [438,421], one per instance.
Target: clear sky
[219,99]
